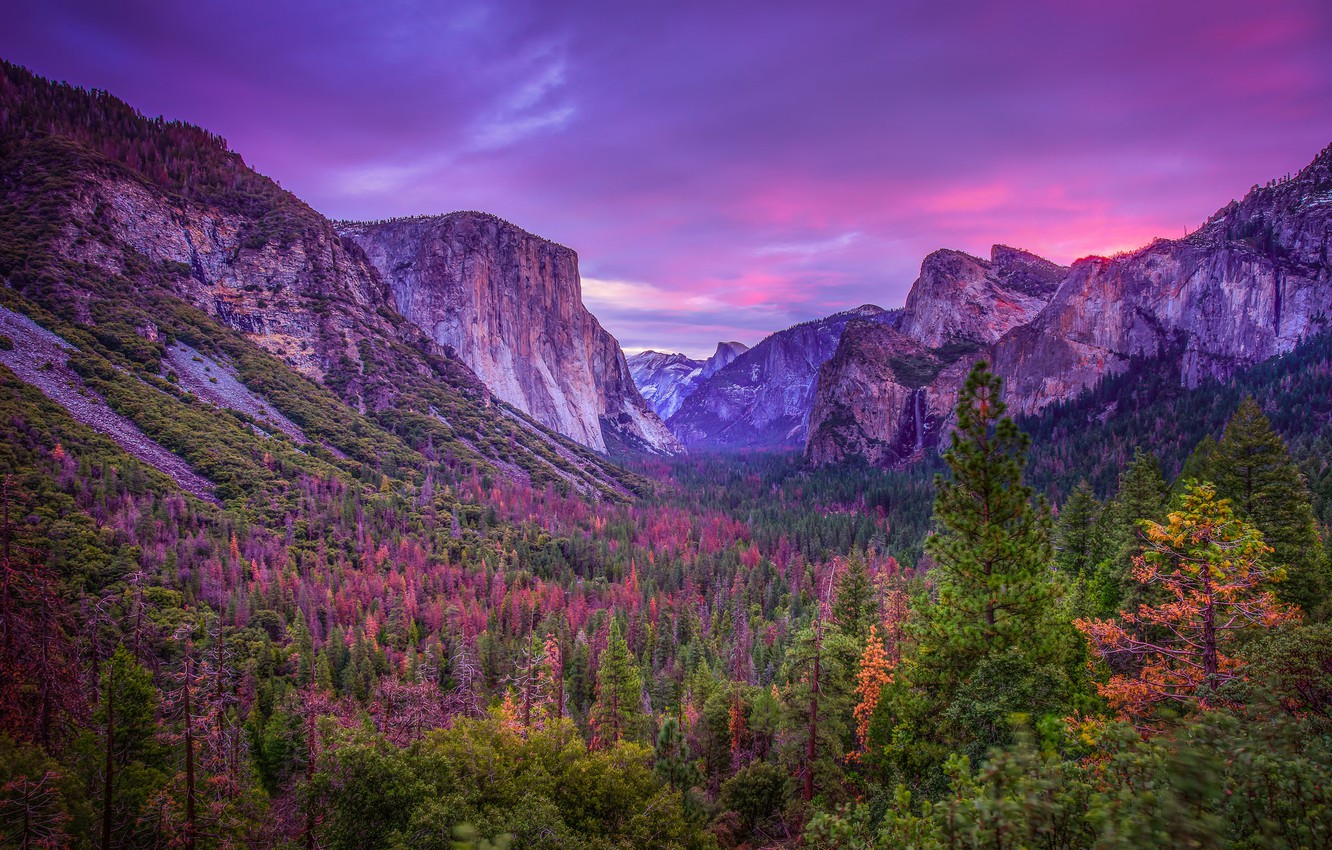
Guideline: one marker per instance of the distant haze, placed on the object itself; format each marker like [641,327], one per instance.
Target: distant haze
[725,172]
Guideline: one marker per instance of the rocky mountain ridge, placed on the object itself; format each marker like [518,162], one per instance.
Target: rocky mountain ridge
[763,397]
[1247,286]
[667,379]
[129,233]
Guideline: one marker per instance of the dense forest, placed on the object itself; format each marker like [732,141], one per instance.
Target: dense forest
[747,657]
[427,625]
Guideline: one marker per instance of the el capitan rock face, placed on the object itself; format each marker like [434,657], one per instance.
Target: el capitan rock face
[1247,286]
[763,398]
[666,380]
[509,305]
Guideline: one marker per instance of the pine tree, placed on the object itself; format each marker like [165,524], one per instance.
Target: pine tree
[855,604]
[1252,468]
[873,675]
[1141,496]
[1075,531]
[671,762]
[133,757]
[617,712]
[991,546]
[994,643]
[1213,568]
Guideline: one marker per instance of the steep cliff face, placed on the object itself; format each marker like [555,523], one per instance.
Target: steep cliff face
[303,295]
[882,398]
[1247,286]
[959,297]
[764,396]
[721,358]
[509,304]
[666,380]
[139,231]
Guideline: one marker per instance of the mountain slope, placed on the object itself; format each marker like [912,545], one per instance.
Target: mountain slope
[509,305]
[666,380]
[1247,286]
[763,398]
[121,234]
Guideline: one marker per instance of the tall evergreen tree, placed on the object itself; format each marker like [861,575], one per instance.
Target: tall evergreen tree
[991,546]
[855,606]
[1141,496]
[132,760]
[1253,469]
[995,642]
[1075,551]
[617,710]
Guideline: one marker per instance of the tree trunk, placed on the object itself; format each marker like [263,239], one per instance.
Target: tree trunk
[191,826]
[811,748]
[110,755]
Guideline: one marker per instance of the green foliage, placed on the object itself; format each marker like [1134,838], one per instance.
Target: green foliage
[547,791]
[1218,783]
[757,793]
[995,642]
[616,714]
[855,606]
[1141,495]
[992,545]
[1252,468]
[1075,536]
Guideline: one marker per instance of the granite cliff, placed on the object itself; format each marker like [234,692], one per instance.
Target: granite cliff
[667,379]
[1247,286]
[509,305]
[763,397]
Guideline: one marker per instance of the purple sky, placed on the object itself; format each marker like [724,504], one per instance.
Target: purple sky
[725,170]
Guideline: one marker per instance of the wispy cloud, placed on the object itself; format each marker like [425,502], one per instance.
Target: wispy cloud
[539,104]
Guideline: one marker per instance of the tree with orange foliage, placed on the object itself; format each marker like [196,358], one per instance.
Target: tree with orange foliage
[1214,571]
[874,674]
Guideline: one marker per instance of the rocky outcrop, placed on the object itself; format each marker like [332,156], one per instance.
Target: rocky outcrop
[763,398]
[961,298]
[1247,286]
[666,380]
[721,358]
[301,294]
[883,398]
[509,305]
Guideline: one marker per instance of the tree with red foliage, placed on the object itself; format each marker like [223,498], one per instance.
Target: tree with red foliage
[873,675]
[1214,572]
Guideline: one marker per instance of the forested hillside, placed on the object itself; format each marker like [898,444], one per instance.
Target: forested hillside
[367,606]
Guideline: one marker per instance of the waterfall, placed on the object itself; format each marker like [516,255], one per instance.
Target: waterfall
[918,398]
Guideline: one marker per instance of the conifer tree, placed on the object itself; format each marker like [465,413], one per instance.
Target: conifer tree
[1213,568]
[1252,468]
[1141,495]
[671,762]
[875,672]
[994,643]
[132,756]
[616,711]
[991,546]
[1075,532]
[854,603]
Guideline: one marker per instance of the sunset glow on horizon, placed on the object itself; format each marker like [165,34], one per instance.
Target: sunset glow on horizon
[725,171]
